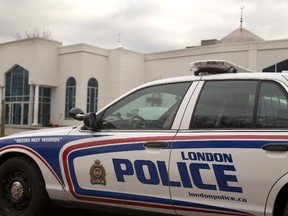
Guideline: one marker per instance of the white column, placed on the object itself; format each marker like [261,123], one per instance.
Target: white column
[36,106]
[31,105]
[253,58]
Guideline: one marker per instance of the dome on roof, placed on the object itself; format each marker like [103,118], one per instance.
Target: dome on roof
[241,35]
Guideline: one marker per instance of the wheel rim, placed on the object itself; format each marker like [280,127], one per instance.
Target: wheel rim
[16,191]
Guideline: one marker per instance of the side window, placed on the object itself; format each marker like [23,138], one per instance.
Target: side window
[70,95]
[149,108]
[225,104]
[272,106]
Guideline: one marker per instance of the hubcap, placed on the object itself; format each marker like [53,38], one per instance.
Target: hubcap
[17,190]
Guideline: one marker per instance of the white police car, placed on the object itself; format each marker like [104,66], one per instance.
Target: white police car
[197,145]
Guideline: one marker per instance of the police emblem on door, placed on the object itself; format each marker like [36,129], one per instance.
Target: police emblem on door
[97,173]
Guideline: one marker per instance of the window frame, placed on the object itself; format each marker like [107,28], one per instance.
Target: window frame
[95,89]
[282,89]
[255,108]
[102,115]
[17,96]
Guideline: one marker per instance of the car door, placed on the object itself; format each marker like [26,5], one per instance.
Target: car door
[228,158]
[125,163]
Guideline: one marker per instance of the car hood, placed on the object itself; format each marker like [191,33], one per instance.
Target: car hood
[43,132]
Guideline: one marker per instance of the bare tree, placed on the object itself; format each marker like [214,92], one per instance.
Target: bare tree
[28,34]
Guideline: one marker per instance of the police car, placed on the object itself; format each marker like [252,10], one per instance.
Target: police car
[213,143]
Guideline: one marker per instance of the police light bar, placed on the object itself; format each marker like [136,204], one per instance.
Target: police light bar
[215,67]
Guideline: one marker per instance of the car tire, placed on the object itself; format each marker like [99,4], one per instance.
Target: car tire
[22,189]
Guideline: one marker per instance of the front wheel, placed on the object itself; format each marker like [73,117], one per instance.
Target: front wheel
[22,188]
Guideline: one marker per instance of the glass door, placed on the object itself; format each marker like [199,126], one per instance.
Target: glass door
[16,113]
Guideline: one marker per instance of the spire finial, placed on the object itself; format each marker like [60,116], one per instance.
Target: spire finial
[241,19]
[119,45]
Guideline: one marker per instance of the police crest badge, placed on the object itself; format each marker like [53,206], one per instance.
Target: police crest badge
[97,173]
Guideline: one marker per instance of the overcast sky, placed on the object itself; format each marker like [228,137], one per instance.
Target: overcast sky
[144,25]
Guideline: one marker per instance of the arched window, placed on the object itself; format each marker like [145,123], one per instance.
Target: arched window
[92,95]
[70,95]
[17,96]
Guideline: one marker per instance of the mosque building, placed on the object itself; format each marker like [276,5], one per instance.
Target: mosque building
[41,80]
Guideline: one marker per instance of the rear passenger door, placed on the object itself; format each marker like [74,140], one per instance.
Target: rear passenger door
[218,158]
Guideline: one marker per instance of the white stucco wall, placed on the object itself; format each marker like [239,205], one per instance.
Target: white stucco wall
[253,55]
[177,63]
[38,56]
[81,62]
[272,52]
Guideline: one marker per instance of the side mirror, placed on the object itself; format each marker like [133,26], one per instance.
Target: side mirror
[90,121]
[77,114]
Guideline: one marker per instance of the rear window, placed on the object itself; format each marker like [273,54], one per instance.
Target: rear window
[272,107]
[241,104]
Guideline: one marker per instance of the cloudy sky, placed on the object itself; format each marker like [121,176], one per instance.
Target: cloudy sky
[144,25]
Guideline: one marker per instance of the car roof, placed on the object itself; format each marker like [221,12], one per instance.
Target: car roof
[255,75]
[228,76]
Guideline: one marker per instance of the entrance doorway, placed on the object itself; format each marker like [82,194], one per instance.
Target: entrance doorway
[17,113]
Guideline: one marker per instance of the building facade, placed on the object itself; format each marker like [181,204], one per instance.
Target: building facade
[41,80]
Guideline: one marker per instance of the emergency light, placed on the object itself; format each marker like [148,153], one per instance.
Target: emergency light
[215,67]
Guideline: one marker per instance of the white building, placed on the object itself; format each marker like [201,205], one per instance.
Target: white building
[41,80]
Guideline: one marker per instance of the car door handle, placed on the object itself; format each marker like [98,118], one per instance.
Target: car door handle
[156,144]
[275,147]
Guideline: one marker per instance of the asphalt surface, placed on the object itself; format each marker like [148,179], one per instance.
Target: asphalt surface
[61,211]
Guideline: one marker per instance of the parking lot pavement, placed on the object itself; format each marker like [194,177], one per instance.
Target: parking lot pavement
[60,211]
